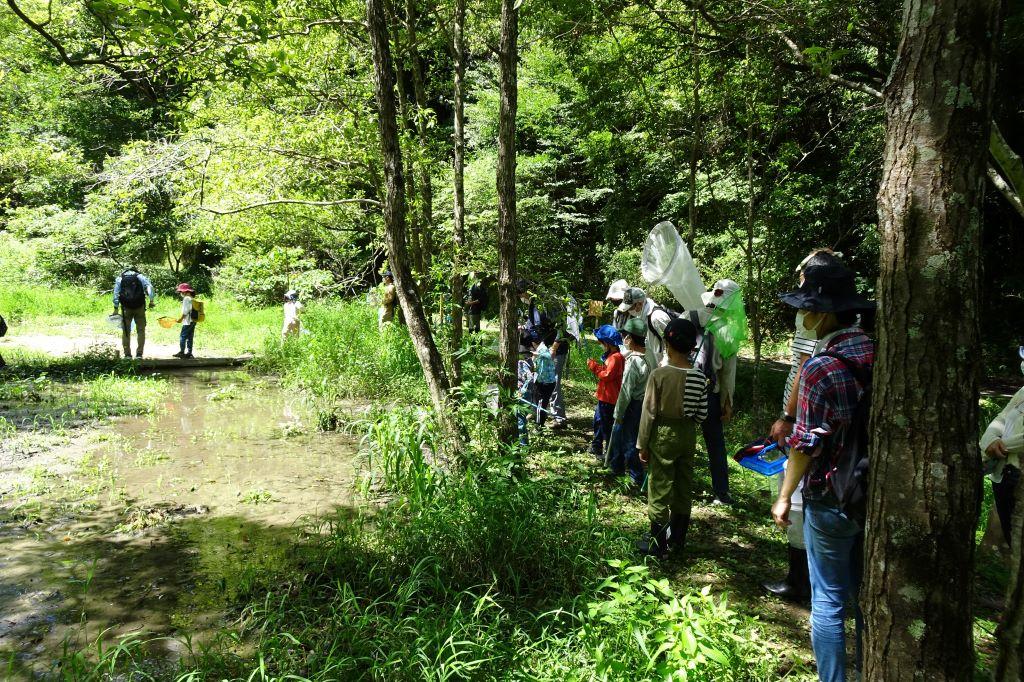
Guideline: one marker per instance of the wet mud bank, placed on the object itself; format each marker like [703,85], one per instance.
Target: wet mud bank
[147,525]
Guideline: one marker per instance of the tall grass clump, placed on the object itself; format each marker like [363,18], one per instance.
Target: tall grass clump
[345,355]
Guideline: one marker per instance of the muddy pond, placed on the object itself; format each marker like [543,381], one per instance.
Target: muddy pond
[145,524]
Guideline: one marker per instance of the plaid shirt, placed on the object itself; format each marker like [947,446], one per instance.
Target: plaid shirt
[827,401]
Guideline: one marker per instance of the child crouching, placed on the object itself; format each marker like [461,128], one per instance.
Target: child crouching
[675,404]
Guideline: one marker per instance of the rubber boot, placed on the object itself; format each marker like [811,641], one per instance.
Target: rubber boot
[678,527]
[796,586]
[654,544]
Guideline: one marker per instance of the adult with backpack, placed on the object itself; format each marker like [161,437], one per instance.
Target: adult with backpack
[796,586]
[131,289]
[828,452]
[636,303]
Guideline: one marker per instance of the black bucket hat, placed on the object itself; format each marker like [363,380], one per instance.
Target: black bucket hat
[828,289]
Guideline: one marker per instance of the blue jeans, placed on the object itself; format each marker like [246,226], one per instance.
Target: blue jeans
[604,419]
[625,456]
[558,397]
[835,550]
[188,333]
[714,440]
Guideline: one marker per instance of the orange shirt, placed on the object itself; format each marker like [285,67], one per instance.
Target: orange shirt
[609,376]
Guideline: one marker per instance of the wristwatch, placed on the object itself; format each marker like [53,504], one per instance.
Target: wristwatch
[786,417]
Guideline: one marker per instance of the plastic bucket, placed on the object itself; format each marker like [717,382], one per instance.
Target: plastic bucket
[166,322]
[114,321]
[667,262]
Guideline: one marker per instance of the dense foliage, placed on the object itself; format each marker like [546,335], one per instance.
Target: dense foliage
[751,126]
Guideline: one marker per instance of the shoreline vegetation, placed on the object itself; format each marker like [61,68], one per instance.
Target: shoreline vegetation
[461,573]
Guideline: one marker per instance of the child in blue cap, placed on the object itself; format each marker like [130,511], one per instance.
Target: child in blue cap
[609,382]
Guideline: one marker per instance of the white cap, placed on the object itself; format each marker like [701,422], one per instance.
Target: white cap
[722,289]
[631,297]
[617,290]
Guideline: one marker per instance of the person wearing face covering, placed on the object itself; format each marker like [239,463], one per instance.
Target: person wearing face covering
[1002,445]
[796,586]
[831,387]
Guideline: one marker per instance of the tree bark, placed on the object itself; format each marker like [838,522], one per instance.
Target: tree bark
[411,201]
[459,192]
[394,221]
[425,205]
[695,145]
[925,485]
[753,287]
[508,339]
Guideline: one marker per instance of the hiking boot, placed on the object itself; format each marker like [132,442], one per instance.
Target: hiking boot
[678,527]
[188,356]
[597,451]
[723,500]
[179,354]
[796,586]
[654,544]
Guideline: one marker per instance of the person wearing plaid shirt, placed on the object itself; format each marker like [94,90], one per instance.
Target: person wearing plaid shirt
[828,305]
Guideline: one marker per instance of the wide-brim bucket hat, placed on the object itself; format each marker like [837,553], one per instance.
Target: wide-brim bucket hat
[185,288]
[828,289]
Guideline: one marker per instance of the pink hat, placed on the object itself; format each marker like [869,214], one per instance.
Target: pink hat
[185,288]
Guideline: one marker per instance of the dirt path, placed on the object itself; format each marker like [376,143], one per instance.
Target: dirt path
[79,340]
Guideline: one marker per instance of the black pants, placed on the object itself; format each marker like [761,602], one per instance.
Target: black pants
[544,392]
[1004,493]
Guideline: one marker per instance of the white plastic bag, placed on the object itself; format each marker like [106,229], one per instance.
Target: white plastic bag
[667,261]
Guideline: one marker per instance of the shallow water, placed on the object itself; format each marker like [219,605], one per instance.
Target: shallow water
[148,524]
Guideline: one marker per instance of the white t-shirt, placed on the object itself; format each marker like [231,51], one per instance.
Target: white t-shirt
[291,314]
[186,311]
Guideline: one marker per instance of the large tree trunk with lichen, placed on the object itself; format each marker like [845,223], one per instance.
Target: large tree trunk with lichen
[508,339]
[425,207]
[394,223]
[923,501]
[458,190]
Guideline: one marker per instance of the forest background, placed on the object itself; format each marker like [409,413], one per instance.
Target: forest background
[234,145]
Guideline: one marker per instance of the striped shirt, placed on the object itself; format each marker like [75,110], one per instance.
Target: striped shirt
[695,396]
[799,347]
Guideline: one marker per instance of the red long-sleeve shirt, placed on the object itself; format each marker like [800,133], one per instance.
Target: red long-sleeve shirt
[609,376]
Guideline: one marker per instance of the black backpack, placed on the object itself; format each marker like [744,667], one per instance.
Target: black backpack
[133,294]
[848,476]
[3,326]
[671,316]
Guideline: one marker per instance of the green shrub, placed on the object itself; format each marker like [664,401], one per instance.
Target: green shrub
[262,279]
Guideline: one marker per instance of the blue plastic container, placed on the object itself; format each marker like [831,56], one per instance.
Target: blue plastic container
[759,463]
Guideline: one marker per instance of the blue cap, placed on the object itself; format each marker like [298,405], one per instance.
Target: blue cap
[606,333]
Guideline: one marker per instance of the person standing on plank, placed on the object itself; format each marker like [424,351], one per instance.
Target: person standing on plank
[131,288]
[189,318]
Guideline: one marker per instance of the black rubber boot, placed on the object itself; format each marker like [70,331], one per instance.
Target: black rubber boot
[654,544]
[678,527]
[796,586]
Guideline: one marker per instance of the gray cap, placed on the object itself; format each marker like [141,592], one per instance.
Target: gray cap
[631,297]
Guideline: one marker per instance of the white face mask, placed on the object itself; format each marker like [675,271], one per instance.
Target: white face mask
[808,333]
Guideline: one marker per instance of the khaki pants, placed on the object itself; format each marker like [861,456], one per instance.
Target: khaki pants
[128,315]
[670,461]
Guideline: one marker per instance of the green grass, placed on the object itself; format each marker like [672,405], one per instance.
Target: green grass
[229,326]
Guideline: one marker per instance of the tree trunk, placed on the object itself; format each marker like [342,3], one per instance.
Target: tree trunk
[923,501]
[695,145]
[753,289]
[394,222]
[426,193]
[411,202]
[459,192]
[509,335]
